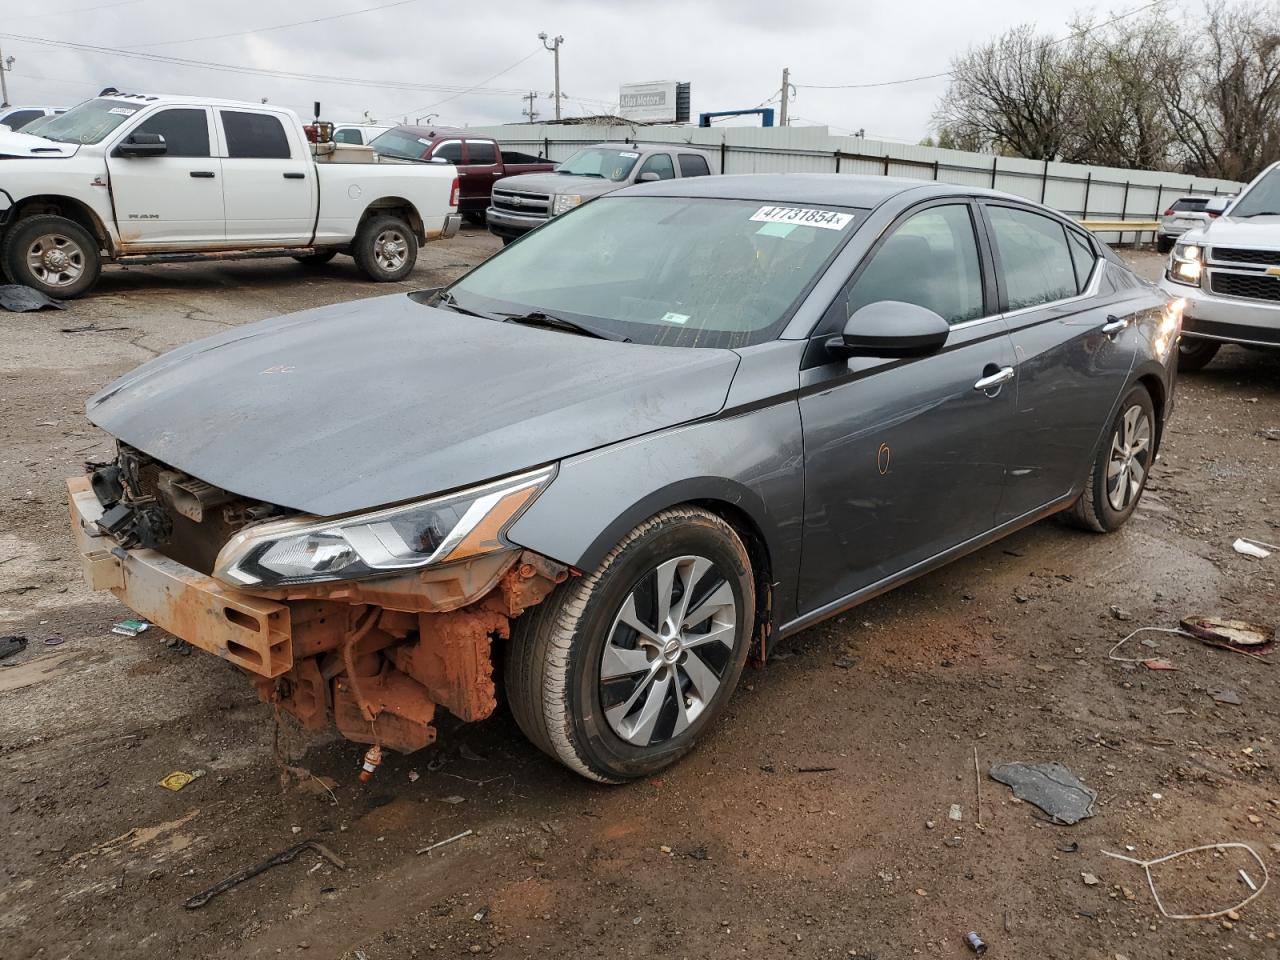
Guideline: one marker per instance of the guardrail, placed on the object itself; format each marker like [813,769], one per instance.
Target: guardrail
[1136,227]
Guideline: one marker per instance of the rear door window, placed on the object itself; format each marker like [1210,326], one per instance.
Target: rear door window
[1034,257]
[185,131]
[258,136]
[482,153]
[693,165]
[450,150]
[659,163]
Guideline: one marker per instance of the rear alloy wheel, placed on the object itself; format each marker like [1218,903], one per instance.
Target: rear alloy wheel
[617,673]
[385,249]
[1120,469]
[54,255]
[1194,354]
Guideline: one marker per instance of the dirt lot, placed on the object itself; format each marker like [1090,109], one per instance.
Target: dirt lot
[736,852]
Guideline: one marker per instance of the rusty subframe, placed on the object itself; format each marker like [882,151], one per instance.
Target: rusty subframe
[379,659]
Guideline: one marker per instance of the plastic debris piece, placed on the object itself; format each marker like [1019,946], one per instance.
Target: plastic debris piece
[1226,696]
[1089,879]
[955,813]
[1051,787]
[1146,866]
[975,943]
[1160,664]
[446,841]
[1250,548]
[177,780]
[21,299]
[130,628]
[1237,634]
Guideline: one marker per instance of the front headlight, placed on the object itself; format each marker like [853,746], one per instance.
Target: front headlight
[453,527]
[1186,263]
[1170,326]
[563,202]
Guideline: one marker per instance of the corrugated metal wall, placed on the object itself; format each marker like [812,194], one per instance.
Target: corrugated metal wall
[1108,193]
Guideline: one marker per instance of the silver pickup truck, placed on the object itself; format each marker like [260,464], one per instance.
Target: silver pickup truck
[520,204]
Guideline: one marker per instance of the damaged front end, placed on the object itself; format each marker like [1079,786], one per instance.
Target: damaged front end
[370,622]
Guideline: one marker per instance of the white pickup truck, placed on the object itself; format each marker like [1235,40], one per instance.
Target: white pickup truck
[134,178]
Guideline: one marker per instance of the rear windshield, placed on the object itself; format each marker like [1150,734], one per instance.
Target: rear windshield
[600,162]
[90,122]
[678,271]
[397,143]
[1194,204]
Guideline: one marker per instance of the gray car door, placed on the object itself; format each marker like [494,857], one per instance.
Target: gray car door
[905,459]
[1074,350]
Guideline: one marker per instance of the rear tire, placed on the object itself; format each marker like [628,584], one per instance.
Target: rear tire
[1194,354]
[316,259]
[1118,474]
[615,681]
[385,249]
[52,254]
[1164,244]
[474,217]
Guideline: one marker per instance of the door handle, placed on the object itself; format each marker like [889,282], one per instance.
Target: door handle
[295,176]
[997,379]
[202,174]
[1114,325]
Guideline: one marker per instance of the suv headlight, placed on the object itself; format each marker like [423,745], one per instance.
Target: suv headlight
[453,527]
[563,202]
[1186,263]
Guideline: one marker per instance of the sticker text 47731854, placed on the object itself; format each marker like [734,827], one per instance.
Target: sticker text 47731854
[803,216]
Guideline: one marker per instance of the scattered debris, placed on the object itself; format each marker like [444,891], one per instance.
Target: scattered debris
[1253,548]
[21,299]
[1071,847]
[815,769]
[89,328]
[130,628]
[1089,879]
[11,645]
[413,776]
[955,813]
[975,943]
[977,785]
[1051,787]
[179,779]
[1120,613]
[372,759]
[455,799]
[845,663]
[284,856]
[446,842]
[54,641]
[1146,866]
[1158,664]
[1240,635]
[1269,433]
[1226,696]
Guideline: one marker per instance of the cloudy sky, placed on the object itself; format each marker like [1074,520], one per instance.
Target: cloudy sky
[413,57]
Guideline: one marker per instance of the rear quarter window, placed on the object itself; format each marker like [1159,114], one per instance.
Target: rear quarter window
[694,165]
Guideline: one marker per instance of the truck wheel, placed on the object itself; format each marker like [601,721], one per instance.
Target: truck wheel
[1119,471]
[474,217]
[1164,244]
[52,254]
[618,672]
[385,249]
[1195,354]
[316,259]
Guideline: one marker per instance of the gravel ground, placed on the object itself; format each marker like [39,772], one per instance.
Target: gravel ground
[737,851]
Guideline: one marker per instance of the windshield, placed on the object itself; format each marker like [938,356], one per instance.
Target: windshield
[90,122]
[601,162]
[1262,199]
[397,143]
[678,271]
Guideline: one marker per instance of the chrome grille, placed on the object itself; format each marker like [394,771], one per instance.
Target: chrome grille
[522,204]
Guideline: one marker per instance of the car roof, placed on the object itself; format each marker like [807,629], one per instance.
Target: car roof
[645,147]
[838,189]
[439,133]
[152,99]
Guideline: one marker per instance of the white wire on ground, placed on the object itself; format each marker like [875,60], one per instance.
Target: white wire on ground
[1146,866]
[1111,654]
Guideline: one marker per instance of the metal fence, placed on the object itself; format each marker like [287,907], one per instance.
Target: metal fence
[1078,190]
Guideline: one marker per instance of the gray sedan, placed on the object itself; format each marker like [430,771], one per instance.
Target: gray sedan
[627,453]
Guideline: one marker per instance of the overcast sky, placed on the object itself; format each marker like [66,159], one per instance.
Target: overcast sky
[732,51]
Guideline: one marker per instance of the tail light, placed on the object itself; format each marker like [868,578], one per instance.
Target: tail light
[1214,216]
[453,194]
[1169,212]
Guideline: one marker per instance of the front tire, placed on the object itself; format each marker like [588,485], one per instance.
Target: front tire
[1119,472]
[618,672]
[1164,244]
[1194,354]
[54,255]
[385,249]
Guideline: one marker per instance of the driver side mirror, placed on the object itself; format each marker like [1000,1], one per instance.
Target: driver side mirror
[648,177]
[1218,206]
[142,145]
[891,329]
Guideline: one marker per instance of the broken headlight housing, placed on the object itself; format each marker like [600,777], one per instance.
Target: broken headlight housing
[440,530]
[1186,263]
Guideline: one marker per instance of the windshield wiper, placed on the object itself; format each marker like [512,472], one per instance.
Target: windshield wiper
[570,173]
[447,299]
[537,318]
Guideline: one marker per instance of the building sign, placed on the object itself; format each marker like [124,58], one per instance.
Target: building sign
[648,102]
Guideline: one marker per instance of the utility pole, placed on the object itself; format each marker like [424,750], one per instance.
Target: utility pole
[6,66]
[529,111]
[554,47]
[786,95]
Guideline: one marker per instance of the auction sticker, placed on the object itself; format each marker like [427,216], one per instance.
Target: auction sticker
[803,216]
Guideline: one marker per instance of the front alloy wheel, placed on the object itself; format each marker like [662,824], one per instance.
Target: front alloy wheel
[1120,468]
[618,672]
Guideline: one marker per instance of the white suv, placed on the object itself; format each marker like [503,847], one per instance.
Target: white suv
[1182,215]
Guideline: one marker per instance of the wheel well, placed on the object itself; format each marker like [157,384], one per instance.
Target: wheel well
[397,206]
[1156,389]
[74,210]
[761,566]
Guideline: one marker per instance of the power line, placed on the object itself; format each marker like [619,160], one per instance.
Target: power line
[259,71]
[65,13]
[461,93]
[948,73]
[279,26]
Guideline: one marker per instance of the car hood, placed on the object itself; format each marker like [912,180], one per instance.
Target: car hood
[14,144]
[373,402]
[559,183]
[1226,231]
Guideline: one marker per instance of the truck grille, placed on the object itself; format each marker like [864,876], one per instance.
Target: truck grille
[522,204]
[1236,255]
[1249,286]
